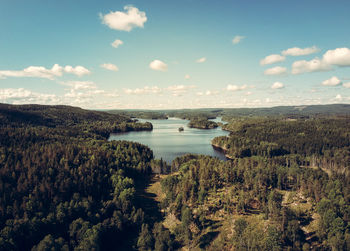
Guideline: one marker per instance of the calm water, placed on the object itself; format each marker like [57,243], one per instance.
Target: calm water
[168,143]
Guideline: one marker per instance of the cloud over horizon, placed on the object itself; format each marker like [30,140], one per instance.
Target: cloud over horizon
[236,87]
[333,81]
[277,85]
[42,72]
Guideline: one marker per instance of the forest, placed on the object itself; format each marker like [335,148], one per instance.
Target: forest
[286,186]
[64,186]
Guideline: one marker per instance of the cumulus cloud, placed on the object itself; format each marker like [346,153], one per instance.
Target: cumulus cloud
[34,72]
[237,39]
[295,51]
[116,43]
[110,67]
[236,87]
[278,70]
[339,57]
[125,21]
[271,59]
[313,65]
[42,72]
[144,90]
[23,96]
[346,85]
[158,65]
[333,81]
[277,85]
[78,70]
[201,60]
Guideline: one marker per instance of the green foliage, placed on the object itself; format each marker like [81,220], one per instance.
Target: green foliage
[62,185]
[202,124]
[145,240]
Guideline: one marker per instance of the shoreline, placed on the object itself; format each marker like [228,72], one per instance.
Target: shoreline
[223,150]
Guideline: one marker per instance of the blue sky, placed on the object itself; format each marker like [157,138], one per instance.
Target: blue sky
[76,37]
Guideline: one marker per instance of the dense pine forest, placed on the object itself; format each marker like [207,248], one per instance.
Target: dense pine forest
[64,186]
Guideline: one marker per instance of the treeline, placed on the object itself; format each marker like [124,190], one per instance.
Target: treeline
[140,114]
[294,112]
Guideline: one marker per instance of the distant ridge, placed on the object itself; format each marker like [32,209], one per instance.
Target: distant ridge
[301,110]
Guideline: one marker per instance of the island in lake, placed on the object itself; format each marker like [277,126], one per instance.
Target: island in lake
[202,124]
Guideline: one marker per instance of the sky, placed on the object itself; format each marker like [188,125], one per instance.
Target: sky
[158,54]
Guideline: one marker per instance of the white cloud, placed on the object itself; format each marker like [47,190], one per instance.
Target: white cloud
[237,39]
[313,65]
[333,81]
[80,85]
[158,65]
[110,67]
[277,85]
[236,87]
[278,70]
[187,76]
[346,85]
[35,72]
[178,90]
[42,72]
[271,59]
[295,51]
[125,21]
[78,70]
[144,90]
[201,60]
[116,43]
[23,96]
[338,97]
[207,93]
[339,57]
[180,87]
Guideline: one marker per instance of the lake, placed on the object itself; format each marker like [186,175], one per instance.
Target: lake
[167,142]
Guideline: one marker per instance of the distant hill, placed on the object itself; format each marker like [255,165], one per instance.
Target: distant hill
[46,115]
[303,110]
